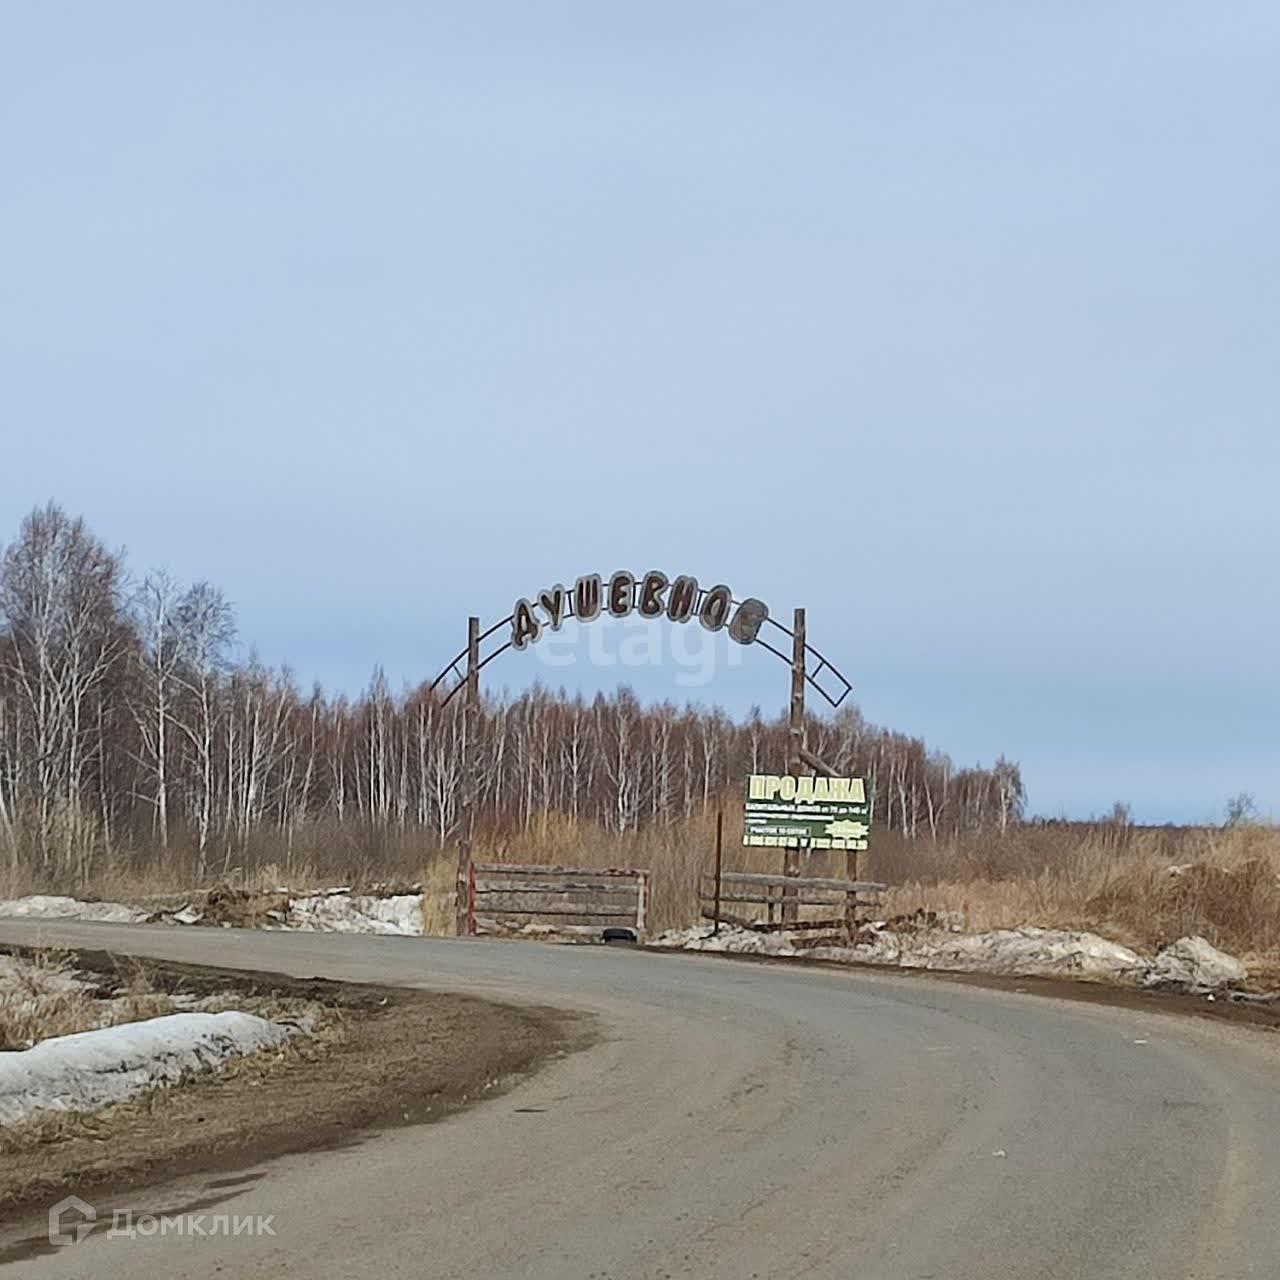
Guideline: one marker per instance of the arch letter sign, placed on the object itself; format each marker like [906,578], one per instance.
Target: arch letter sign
[652,596]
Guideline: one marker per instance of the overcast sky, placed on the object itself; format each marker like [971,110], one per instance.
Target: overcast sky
[955,323]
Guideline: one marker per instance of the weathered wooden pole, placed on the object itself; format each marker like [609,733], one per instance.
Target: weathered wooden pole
[795,754]
[470,789]
[719,864]
[851,899]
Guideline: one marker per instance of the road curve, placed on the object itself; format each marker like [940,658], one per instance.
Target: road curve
[756,1121]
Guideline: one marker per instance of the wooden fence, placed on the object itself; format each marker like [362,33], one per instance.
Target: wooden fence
[782,898]
[505,897]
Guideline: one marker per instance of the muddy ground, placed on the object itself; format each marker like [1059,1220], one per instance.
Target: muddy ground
[390,1056]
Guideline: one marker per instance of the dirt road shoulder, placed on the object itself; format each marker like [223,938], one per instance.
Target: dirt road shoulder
[401,1057]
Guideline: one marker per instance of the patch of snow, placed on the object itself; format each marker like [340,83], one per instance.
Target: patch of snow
[1020,952]
[877,945]
[1194,964]
[93,1069]
[357,913]
[1016,952]
[730,938]
[335,910]
[45,907]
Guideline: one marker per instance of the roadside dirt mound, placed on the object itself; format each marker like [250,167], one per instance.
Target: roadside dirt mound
[242,908]
[404,1057]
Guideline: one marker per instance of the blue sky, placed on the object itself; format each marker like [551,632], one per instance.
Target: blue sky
[956,324]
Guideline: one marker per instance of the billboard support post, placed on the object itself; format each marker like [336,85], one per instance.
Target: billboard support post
[719,865]
[795,756]
[470,732]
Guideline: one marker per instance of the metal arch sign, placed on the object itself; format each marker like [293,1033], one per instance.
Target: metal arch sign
[653,595]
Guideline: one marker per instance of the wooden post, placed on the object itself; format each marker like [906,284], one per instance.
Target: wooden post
[851,899]
[719,863]
[795,750]
[795,717]
[470,791]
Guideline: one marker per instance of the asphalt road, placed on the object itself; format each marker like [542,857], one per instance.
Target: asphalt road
[752,1120]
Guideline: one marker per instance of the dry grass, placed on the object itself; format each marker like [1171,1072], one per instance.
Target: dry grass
[41,997]
[438,878]
[1109,878]
[321,854]
[1224,885]
[109,1123]
[364,859]
[139,996]
[1116,881]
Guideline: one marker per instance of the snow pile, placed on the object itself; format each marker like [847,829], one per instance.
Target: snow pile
[1193,964]
[328,910]
[730,938]
[44,907]
[342,912]
[1007,951]
[93,1069]
[1190,964]
[1016,952]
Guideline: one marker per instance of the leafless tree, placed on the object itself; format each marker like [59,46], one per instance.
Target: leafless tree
[205,631]
[136,726]
[61,634]
[155,616]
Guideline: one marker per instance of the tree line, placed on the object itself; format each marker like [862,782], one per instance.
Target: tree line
[129,722]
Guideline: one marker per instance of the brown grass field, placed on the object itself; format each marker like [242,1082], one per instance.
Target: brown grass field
[1139,886]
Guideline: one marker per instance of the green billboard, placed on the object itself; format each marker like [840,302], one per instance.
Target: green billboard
[809,812]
